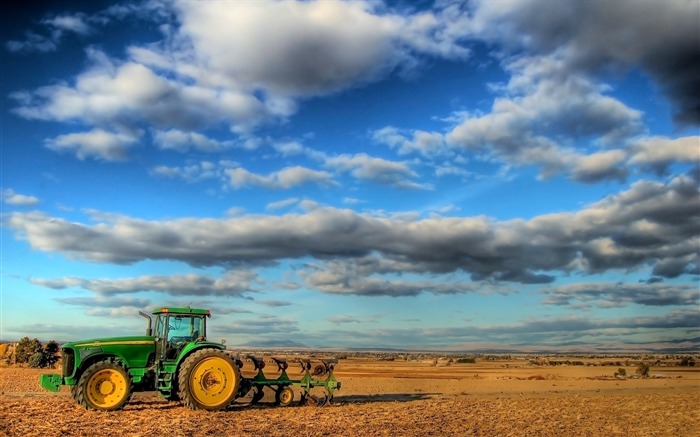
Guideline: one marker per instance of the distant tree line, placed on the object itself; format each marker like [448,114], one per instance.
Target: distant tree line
[35,354]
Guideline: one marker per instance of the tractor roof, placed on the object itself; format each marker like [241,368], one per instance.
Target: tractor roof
[178,310]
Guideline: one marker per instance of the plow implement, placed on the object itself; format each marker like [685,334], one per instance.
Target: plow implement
[316,382]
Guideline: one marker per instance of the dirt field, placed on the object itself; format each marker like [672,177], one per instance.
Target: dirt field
[489,398]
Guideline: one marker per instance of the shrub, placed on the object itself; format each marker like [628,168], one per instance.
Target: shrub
[470,360]
[643,370]
[35,354]
[50,353]
[37,360]
[687,361]
[621,372]
[26,348]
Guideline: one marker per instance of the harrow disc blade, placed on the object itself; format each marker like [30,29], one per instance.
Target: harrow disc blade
[319,370]
[257,395]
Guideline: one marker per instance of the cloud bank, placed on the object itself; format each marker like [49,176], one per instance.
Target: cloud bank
[649,224]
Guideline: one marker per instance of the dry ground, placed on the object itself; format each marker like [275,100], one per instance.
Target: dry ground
[396,398]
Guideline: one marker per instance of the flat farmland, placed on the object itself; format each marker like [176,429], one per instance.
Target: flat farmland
[399,397]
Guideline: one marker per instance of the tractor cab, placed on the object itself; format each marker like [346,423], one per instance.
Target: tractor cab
[176,327]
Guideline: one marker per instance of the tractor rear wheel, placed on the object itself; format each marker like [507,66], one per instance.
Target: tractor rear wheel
[104,386]
[208,380]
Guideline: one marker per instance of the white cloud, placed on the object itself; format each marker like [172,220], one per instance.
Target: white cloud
[97,143]
[537,118]
[72,23]
[590,36]
[660,152]
[350,278]
[190,173]
[281,204]
[554,100]
[233,283]
[543,102]
[290,48]
[56,29]
[378,170]
[295,148]
[599,166]
[317,47]
[181,141]
[33,42]
[283,51]
[351,201]
[612,295]
[11,198]
[286,178]
[131,94]
[417,141]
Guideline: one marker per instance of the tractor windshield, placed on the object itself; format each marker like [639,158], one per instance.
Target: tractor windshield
[184,328]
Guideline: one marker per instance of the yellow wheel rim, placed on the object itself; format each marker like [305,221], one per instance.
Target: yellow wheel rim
[213,381]
[286,396]
[106,388]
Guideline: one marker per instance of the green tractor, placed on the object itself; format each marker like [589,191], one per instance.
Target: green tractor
[176,360]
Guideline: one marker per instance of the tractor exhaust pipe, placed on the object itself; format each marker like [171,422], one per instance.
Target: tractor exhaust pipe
[149,330]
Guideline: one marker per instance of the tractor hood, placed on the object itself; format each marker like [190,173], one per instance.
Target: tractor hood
[132,351]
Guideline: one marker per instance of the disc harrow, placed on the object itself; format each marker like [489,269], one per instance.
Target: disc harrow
[316,385]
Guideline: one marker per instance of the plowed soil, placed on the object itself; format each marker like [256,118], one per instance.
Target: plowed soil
[395,399]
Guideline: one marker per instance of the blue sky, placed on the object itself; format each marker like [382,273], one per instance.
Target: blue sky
[447,175]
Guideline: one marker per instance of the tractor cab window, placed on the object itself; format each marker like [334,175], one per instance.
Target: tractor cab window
[184,328]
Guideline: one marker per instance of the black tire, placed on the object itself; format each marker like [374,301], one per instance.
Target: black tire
[74,392]
[104,386]
[208,380]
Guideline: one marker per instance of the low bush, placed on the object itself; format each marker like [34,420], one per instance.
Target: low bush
[643,370]
[37,360]
[687,361]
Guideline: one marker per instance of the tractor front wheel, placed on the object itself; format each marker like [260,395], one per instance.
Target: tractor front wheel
[104,386]
[208,380]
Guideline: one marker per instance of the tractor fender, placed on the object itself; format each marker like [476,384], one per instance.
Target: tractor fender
[195,346]
[88,360]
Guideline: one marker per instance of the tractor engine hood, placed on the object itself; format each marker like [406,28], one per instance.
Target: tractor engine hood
[133,351]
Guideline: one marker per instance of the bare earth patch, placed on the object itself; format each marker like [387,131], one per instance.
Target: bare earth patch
[405,399]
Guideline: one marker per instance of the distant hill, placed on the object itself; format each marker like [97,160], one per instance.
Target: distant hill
[275,344]
[679,346]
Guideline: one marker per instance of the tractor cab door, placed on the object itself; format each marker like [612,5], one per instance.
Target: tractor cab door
[161,334]
[174,331]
